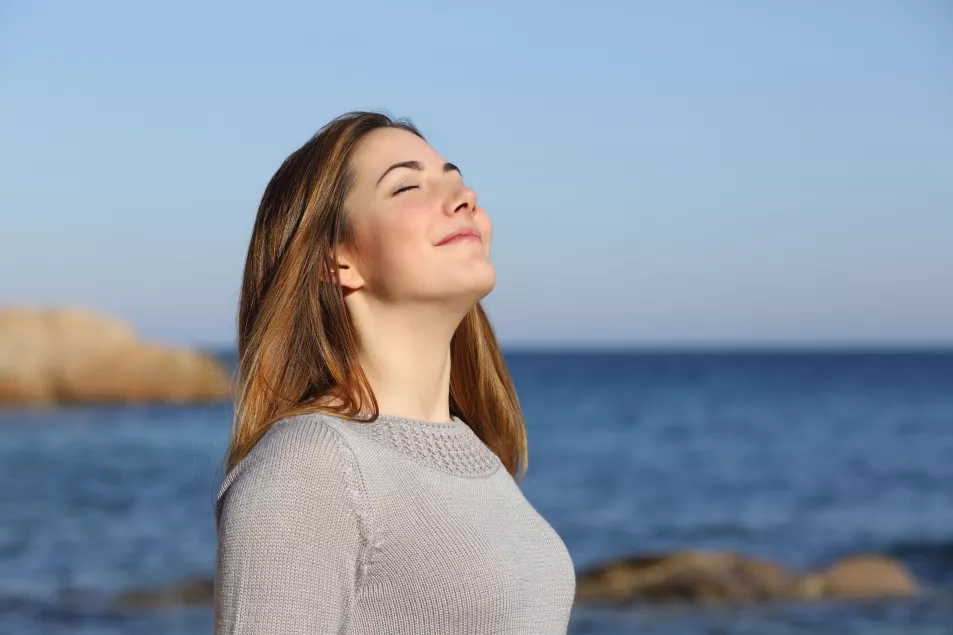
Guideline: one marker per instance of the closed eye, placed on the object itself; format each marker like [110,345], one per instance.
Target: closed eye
[408,187]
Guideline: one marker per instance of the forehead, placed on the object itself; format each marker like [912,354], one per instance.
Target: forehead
[384,147]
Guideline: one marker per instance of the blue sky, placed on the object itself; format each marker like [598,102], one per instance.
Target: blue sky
[658,173]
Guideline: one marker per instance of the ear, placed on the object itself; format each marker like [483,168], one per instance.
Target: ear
[346,269]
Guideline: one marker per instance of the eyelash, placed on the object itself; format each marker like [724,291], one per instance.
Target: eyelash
[406,187]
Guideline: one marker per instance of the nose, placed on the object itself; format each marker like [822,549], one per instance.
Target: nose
[464,198]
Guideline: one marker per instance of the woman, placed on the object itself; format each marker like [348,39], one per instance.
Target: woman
[371,482]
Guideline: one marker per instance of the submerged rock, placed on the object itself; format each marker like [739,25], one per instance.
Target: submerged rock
[703,577]
[686,577]
[859,577]
[191,592]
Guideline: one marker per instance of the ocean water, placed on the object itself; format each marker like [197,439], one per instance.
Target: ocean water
[797,457]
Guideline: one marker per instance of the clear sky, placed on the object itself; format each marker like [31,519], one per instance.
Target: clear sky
[658,173]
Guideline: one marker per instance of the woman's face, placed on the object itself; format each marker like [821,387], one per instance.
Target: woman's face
[400,214]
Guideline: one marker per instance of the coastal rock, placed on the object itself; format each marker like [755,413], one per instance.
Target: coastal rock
[859,577]
[691,576]
[74,355]
[192,592]
[703,577]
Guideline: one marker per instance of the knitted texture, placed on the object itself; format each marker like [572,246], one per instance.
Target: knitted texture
[400,526]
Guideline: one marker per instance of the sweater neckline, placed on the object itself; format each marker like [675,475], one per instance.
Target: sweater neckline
[449,446]
[455,423]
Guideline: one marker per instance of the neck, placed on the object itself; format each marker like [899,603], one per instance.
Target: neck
[405,353]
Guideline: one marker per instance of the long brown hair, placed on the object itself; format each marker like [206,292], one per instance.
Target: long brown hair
[296,343]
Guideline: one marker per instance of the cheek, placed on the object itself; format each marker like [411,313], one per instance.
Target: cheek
[406,225]
[401,237]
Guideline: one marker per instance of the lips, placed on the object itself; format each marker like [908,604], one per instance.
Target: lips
[465,233]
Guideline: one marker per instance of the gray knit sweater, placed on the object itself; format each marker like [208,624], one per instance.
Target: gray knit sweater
[400,526]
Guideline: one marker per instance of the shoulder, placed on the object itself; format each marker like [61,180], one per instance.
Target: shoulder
[297,459]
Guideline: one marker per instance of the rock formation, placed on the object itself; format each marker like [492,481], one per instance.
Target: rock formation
[194,591]
[858,577]
[74,355]
[723,577]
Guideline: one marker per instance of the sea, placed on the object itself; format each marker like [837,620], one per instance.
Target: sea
[797,456]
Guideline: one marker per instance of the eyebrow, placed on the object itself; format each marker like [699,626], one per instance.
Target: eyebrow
[417,165]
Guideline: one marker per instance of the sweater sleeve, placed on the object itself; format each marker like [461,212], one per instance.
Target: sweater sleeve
[290,535]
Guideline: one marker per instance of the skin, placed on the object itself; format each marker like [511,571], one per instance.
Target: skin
[406,295]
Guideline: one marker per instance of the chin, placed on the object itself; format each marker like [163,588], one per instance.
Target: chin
[486,275]
[488,286]
[475,286]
